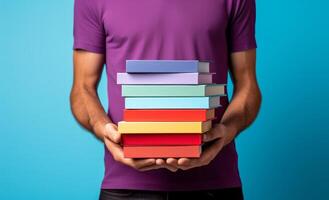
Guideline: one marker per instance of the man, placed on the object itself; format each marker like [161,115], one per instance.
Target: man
[113,31]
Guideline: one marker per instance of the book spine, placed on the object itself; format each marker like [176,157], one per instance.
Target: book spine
[161,66]
[162,151]
[168,103]
[161,139]
[163,127]
[205,79]
[163,90]
[171,79]
[168,115]
[214,102]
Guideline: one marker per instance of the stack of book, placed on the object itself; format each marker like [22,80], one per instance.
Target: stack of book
[168,105]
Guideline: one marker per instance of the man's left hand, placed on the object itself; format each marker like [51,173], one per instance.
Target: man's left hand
[219,136]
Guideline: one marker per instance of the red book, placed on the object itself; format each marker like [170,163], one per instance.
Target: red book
[157,115]
[162,152]
[161,139]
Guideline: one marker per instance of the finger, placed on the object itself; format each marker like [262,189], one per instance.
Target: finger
[184,161]
[210,153]
[160,161]
[187,167]
[209,136]
[170,167]
[206,157]
[117,153]
[152,167]
[139,163]
[112,132]
[172,162]
[188,163]
[215,133]
[115,149]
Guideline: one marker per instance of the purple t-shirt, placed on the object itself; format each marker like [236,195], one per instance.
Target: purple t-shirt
[163,29]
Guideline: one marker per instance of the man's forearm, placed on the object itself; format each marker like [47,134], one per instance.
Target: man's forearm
[242,110]
[87,109]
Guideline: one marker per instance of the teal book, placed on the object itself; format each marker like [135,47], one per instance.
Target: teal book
[166,66]
[173,90]
[172,102]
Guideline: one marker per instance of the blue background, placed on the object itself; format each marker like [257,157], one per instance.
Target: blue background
[44,154]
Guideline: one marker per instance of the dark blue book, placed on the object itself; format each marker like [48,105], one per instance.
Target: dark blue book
[167,66]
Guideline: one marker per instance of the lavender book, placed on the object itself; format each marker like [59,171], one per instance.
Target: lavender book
[167,78]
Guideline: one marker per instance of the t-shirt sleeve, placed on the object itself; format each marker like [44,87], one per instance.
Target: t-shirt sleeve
[88,29]
[241,27]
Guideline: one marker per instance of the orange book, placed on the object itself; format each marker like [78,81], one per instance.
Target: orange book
[158,115]
[162,151]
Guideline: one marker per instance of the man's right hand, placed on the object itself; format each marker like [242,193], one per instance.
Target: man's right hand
[112,139]
[88,111]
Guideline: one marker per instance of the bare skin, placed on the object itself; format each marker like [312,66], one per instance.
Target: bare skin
[90,114]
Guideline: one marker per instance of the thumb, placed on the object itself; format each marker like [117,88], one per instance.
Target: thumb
[112,132]
[210,136]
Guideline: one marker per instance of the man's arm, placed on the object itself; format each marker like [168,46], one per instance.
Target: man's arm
[246,99]
[240,113]
[88,111]
[85,103]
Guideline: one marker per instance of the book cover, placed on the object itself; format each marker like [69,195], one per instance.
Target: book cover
[158,115]
[161,139]
[172,102]
[162,151]
[168,78]
[172,90]
[166,66]
[163,127]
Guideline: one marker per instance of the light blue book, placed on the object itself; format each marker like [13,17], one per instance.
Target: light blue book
[166,66]
[172,102]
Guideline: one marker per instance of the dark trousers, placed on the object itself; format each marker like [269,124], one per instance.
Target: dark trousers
[220,194]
